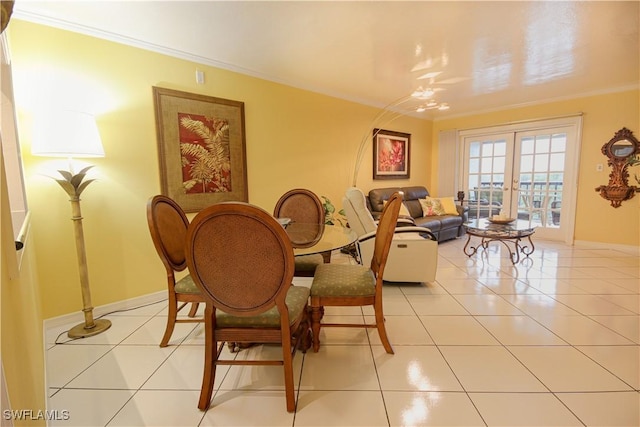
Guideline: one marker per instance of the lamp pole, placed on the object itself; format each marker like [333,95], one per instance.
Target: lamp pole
[74,185]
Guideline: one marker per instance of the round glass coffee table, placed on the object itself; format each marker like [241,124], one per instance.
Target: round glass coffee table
[507,234]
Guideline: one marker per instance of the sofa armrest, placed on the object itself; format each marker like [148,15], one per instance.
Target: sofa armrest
[463,211]
[403,221]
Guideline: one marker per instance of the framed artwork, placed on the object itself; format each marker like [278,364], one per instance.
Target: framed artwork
[201,148]
[391,154]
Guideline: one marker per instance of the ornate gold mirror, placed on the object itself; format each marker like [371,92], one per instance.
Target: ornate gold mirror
[619,150]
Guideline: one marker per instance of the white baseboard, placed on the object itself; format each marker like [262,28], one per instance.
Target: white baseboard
[78,317]
[629,249]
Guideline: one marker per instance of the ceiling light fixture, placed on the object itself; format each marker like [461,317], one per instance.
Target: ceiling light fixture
[423,93]
[430,75]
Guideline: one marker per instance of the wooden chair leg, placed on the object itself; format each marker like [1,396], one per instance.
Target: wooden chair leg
[194,309]
[316,317]
[287,364]
[171,319]
[382,331]
[210,356]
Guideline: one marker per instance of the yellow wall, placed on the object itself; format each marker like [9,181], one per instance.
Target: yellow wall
[604,115]
[21,319]
[295,138]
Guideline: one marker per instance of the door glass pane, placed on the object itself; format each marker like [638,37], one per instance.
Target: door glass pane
[556,162]
[487,149]
[500,148]
[527,145]
[486,164]
[541,162]
[526,163]
[559,142]
[474,165]
[542,143]
[474,149]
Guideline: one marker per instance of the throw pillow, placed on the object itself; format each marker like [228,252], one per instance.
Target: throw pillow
[449,205]
[404,211]
[431,207]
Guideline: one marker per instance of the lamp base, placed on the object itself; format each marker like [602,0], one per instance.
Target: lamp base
[79,331]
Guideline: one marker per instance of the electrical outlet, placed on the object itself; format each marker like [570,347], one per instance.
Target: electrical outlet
[199,77]
[599,167]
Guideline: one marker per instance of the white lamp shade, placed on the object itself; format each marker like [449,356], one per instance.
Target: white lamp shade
[66,133]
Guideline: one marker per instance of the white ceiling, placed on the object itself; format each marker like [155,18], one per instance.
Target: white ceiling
[484,55]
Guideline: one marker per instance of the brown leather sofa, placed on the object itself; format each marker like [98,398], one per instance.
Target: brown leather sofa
[444,227]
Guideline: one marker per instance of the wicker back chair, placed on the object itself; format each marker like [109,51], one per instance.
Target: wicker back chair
[242,260]
[168,227]
[356,285]
[303,206]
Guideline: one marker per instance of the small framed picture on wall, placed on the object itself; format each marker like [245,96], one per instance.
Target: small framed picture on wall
[391,154]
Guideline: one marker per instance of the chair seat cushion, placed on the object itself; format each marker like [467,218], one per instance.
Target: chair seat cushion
[186,285]
[296,301]
[343,280]
[308,262]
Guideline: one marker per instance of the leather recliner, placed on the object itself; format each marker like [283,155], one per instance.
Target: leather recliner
[413,256]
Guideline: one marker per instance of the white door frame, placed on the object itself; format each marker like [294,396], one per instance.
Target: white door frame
[574,125]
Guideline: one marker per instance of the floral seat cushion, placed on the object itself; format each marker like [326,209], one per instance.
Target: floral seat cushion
[308,262]
[186,285]
[296,301]
[343,280]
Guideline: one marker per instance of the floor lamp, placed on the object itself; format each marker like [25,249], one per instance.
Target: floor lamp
[73,134]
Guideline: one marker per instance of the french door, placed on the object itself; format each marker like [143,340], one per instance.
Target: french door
[525,171]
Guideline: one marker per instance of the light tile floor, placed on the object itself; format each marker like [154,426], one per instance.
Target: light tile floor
[552,341]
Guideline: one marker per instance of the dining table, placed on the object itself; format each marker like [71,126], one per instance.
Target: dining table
[314,238]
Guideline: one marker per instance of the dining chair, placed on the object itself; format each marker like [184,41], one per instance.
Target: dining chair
[356,285]
[168,227]
[242,260]
[302,205]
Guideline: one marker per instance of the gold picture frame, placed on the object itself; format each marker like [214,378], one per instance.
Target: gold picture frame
[391,154]
[201,148]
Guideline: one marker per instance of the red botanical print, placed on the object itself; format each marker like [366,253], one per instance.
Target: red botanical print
[204,149]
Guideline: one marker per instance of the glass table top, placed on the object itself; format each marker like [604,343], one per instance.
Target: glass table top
[310,238]
[484,227]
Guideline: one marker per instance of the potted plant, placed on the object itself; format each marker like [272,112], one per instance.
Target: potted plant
[331,217]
